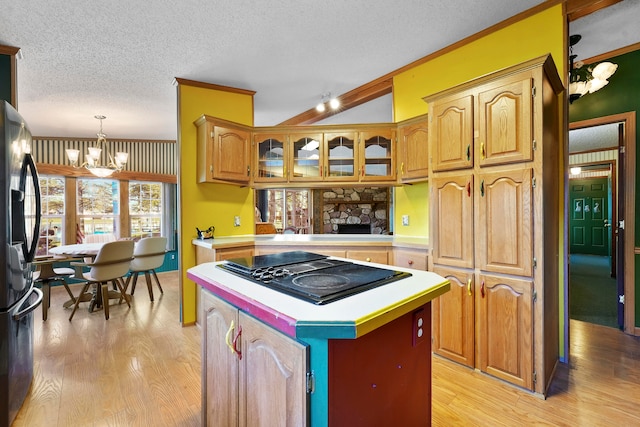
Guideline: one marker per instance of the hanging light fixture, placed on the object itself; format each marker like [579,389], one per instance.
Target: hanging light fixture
[583,80]
[94,162]
[325,98]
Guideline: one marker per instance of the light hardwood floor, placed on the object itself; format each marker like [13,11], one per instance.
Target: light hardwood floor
[142,368]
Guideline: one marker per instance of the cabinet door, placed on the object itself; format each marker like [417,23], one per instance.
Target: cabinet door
[273,372]
[377,154]
[505,222]
[219,365]
[452,216]
[453,317]
[452,133]
[505,328]
[414,151]
[271,162]
[505,122]
[306,157]
[231,154]
[340,154]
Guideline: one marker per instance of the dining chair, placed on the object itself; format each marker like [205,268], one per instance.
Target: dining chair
[148,255]
[45,275]
[109,266]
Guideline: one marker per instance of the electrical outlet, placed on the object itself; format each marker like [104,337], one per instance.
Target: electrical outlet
[405,220]
[236,221]
[173,256]
[418,330]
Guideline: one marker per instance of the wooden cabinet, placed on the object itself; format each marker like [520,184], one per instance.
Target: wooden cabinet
[454,317]
[380,256]
[505,328]
[413,149]
[377,155]
[223,150]
[494,202]
[251,373]
[410,258]
[452,133]
[270,157]
[204,254]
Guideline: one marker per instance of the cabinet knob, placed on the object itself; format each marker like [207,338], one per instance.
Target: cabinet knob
[368,259]
[410,262]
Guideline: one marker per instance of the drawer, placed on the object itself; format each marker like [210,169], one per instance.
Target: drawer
[411,258]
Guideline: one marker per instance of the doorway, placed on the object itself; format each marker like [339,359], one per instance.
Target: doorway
[601,256]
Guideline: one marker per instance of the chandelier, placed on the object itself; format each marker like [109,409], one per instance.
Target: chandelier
[583,80]
[94,162]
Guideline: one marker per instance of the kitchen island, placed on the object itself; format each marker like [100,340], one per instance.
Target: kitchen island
[361,360]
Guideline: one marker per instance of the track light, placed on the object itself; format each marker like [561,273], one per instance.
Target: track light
[334,103]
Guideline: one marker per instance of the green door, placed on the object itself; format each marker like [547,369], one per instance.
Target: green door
[590,217]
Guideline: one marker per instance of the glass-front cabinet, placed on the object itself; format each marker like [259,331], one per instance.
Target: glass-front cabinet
[377,148]
[271,165]
[341,157]
[324,154]
[306,162]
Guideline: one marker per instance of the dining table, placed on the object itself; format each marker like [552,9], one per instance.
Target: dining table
[78,249]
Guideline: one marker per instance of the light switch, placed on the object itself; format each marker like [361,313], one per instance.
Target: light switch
[405,220]
[236,221]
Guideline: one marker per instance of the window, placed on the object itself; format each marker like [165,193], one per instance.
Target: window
[288,209]
[52,222]
[145,209]
[98,206]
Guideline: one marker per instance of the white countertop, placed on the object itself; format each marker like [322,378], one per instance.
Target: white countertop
[349,317]
[314,239]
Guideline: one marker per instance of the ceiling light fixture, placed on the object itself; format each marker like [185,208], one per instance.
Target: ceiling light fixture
[583,80]
[94,162]
[325,98]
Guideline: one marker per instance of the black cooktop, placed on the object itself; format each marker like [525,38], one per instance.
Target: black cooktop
[312,277]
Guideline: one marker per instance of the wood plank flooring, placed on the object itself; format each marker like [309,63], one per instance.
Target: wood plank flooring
[142,368]
[139,368]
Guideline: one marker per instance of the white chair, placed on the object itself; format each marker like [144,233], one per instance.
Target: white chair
[147,256]
[47,274]
[110,265]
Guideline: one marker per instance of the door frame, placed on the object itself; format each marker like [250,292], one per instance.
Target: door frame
[628,147]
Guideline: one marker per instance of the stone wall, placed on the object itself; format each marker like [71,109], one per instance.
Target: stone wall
[355,206]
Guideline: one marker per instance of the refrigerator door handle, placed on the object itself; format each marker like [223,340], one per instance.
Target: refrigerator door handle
[22,313]
[29,171]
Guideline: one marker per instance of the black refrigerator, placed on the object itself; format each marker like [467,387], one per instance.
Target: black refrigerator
[20,216]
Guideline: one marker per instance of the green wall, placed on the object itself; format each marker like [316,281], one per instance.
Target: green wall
[621,95]
[5,78]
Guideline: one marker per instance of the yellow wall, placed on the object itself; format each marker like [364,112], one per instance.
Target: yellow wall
[202,205]
[535,36]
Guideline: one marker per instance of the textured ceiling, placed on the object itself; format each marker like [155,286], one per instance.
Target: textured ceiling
[119,58]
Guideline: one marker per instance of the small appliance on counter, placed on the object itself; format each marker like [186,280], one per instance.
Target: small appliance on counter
[205,234]
[311,277]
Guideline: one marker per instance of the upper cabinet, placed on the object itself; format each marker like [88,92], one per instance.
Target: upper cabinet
[223,151]
[452,128]
[413,149]
[324,155]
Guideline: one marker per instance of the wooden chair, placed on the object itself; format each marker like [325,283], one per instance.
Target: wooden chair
[110,265]
[147,256]
[45,275]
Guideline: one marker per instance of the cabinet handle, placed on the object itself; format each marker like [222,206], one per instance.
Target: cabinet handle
[402,168]
[227,337]
[468,152]
[248,170]
[482,289]
[482,152]
[285,172]
[362,170]
[468,188]
[482,188]
[236,343]
[469,286]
